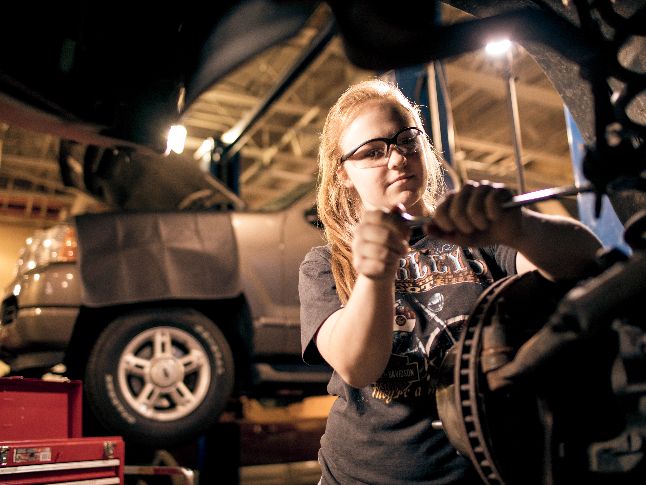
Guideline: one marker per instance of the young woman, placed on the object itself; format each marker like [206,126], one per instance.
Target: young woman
[382,306]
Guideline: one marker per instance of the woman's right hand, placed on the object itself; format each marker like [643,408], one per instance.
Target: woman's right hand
[380,241]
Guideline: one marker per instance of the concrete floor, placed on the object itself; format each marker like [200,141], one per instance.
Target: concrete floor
[269,444]
[279,444]
[297,473]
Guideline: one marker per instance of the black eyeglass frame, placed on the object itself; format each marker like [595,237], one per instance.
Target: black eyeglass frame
[389,141]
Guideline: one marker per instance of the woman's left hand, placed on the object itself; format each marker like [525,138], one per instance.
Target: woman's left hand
[474,215]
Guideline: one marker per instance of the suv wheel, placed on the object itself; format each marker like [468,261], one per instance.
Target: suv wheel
[162,375]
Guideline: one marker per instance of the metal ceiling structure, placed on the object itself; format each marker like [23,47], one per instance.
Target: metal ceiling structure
[279,152]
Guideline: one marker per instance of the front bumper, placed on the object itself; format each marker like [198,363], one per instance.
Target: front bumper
[34,338]
[43,328]
[20,364]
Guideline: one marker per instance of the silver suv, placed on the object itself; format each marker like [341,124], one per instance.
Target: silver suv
[165,316]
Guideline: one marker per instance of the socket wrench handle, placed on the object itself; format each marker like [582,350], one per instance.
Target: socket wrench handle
[515,201]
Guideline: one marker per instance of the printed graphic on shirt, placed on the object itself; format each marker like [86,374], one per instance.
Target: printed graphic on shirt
[401,380]
[444,264]
[404,318]
[421,337]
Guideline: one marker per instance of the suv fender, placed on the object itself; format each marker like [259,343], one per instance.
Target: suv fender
[151,256]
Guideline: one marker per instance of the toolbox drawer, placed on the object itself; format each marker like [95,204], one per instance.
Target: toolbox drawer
[99,461]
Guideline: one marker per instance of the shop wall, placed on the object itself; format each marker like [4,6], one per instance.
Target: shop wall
[12,238]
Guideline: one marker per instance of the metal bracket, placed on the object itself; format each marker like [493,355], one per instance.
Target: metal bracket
[186,474]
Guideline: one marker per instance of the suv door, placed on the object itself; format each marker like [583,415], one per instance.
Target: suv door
[300,234]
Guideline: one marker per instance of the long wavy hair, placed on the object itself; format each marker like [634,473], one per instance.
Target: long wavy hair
[339,207]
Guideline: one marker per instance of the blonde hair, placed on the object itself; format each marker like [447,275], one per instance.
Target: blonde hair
[339,207]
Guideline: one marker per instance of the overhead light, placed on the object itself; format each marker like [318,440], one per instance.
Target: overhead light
[498,47]
[205,149]
[231,135]
[176,139]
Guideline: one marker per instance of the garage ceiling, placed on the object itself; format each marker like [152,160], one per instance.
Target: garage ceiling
[279,153]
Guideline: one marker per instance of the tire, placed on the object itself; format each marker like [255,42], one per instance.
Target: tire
[159,376]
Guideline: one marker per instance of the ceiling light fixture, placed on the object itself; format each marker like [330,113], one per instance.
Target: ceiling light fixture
[205,149]
[231,135]
[176,139]
[498,47]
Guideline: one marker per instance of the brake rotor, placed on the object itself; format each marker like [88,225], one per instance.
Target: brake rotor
[506,433]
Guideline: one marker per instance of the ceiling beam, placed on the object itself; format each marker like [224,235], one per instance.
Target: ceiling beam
[479,171]
[10,160]
[243,101]
[298,177]
[258,153]
[62,199]
[270,152]
[466,143]
[37,222]
[496,85]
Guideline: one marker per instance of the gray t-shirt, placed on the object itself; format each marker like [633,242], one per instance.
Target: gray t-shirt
[382,434]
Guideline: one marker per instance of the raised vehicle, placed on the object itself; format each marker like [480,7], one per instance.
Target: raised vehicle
[165,316]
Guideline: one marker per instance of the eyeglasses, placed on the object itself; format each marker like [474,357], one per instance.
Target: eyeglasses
[376,152]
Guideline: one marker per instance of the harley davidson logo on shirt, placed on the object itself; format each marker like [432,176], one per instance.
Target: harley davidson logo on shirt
[422,270]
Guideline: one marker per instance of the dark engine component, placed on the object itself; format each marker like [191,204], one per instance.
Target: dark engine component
[553,403]
[548,384]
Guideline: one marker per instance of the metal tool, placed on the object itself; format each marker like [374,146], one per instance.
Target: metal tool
[515,201]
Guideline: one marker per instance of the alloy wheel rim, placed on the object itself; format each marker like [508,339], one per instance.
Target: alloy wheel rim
[164,373]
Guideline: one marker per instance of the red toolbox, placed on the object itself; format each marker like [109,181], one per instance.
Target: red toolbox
[70,460]
[35,409]
[41,437]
